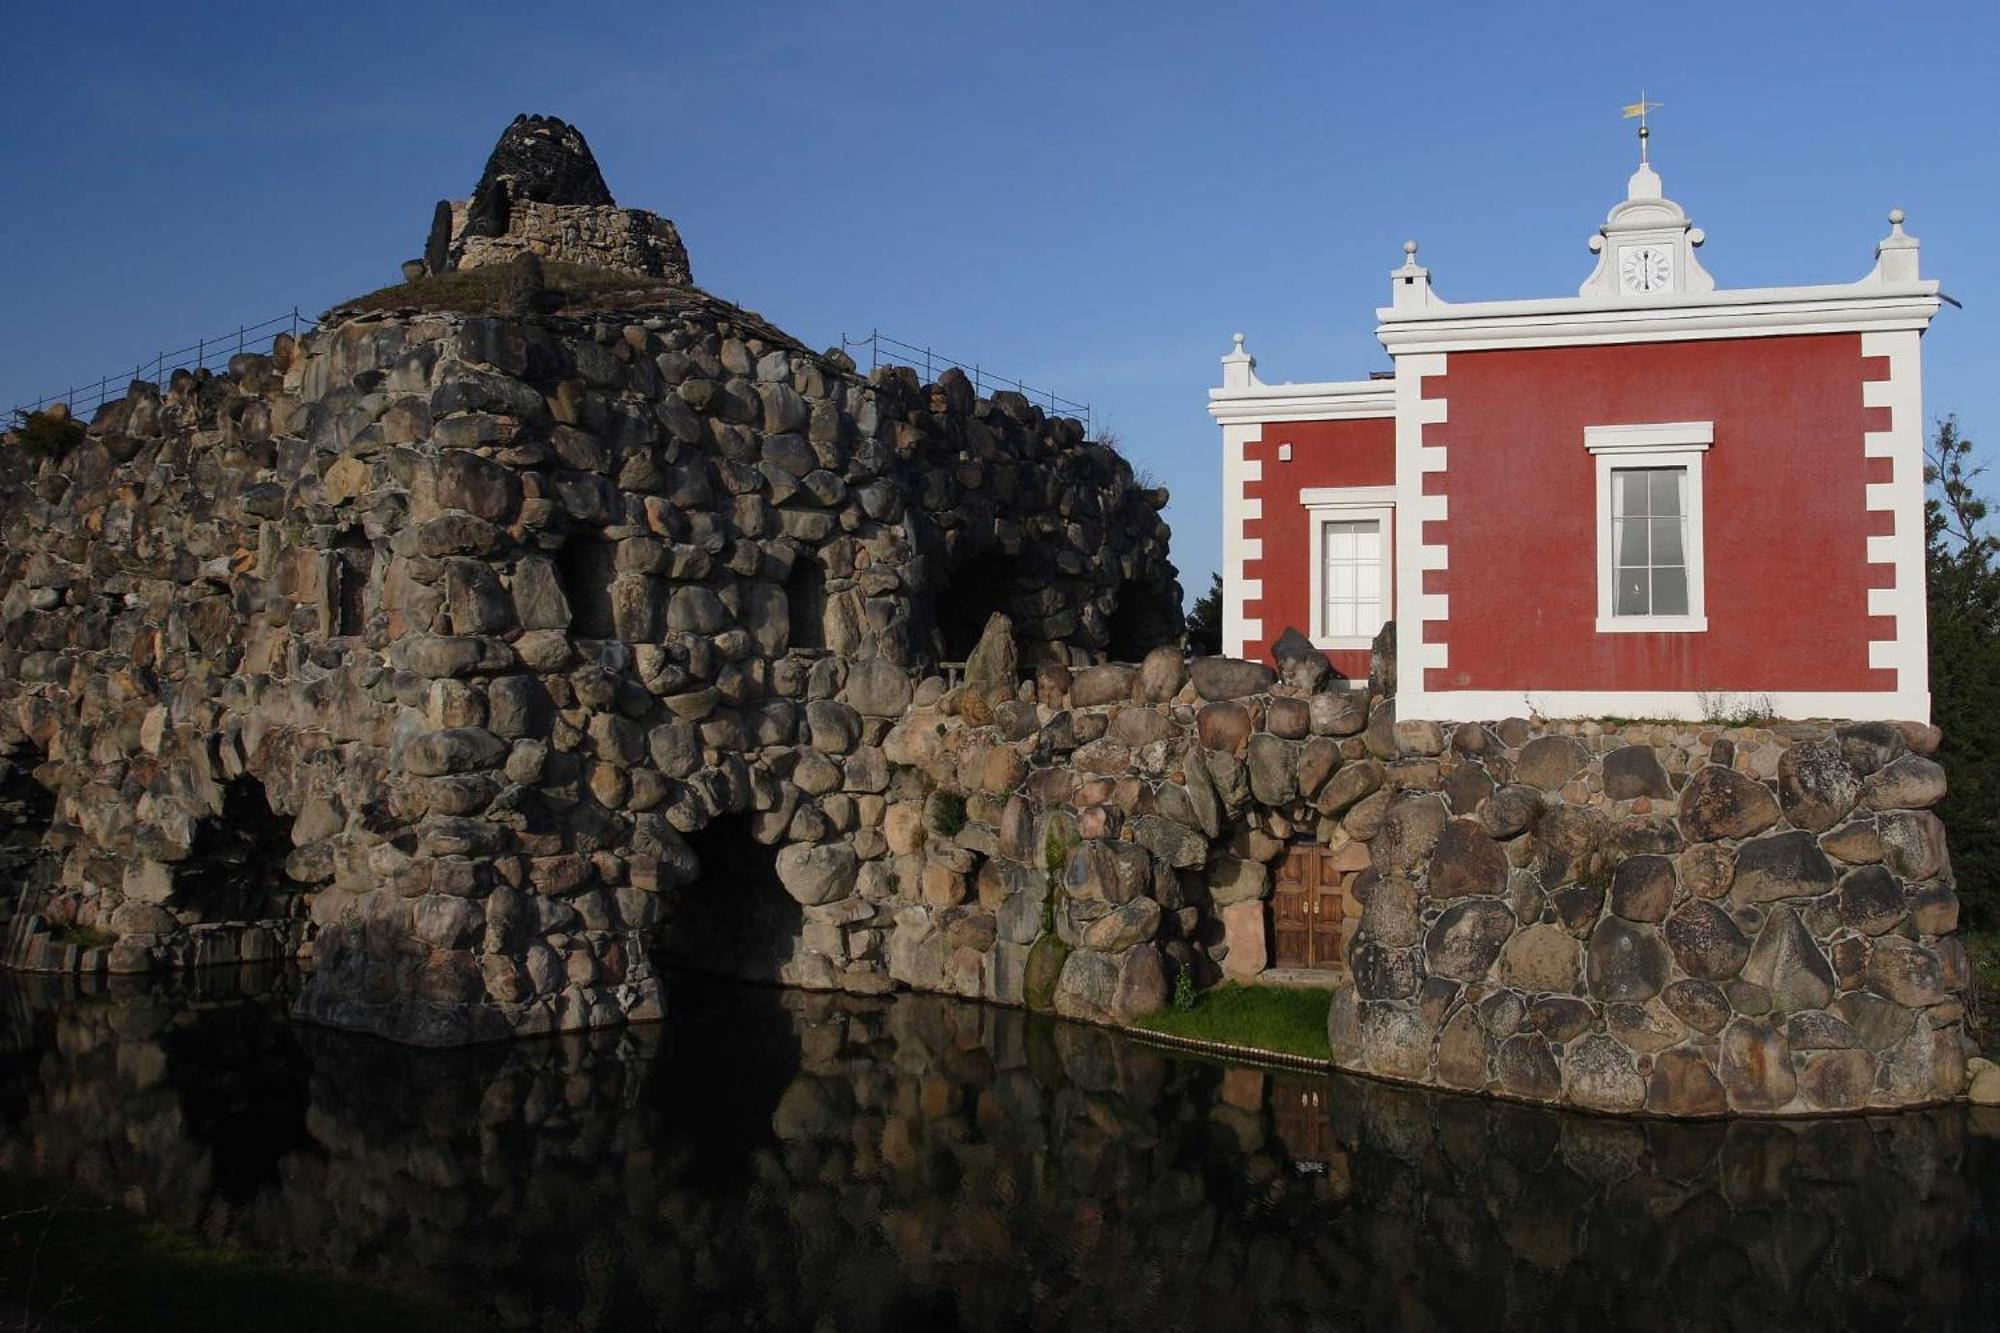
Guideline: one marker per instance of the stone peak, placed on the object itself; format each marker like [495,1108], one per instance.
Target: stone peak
[546,160]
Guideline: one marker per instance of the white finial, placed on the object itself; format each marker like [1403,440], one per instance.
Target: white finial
[1410,249]
[1239,344]
[1896,220]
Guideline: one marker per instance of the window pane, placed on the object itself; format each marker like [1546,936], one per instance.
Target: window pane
[1666,542]
[1631,540]
[1667,489]
[1670,592]
[1631,592]
[1631,491]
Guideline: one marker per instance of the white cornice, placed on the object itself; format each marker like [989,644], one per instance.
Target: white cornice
[1745,313]
[1333,400]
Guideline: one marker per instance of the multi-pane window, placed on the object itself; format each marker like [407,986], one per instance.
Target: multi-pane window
[1351,581]
[1649,538]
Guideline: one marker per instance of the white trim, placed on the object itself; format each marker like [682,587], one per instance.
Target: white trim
[1333,400]
[1416,653]
[1757,312]
[1311,496]
[1238,548]
[1650,444]
[1686,705]
[1652,435]
[1908,652]
[1347,504]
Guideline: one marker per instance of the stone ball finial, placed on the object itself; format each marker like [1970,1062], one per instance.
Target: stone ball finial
[1410,249]
[546,160]
[1896,217]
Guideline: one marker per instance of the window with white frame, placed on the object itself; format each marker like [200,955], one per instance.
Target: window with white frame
[1650,575]
[1352,560]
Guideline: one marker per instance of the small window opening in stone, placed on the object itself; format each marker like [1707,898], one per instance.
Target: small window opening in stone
[736,918]
[586,566]
[1132,630]
[356,564]
[805,601]
[236,869]
[970,595]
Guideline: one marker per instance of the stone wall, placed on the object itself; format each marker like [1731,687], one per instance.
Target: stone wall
[502,629]
[601,235]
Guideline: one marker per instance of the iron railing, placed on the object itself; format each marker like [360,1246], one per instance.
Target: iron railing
[881,347]
[89,395]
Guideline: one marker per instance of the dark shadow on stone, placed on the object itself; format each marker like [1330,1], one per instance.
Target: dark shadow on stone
[1135,627]
[236,869]
[586,566]
[736,919]
[27,811]
[356,565]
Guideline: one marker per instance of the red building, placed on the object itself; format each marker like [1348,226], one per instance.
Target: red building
[1652,499]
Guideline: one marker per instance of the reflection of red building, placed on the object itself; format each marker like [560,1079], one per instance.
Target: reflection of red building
[1653,499]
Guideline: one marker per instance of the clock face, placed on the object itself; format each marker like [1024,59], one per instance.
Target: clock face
[1645,269]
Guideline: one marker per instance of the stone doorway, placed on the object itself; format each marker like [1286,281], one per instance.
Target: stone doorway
[1313,909]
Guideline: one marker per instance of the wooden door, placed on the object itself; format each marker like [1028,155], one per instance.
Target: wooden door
[1309,909]
[1291,909]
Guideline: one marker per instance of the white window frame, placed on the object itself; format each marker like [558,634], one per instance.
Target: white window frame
[1655,444]
[1348,504]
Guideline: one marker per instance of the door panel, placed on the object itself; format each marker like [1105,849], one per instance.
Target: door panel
[1329,911]
[1291,909]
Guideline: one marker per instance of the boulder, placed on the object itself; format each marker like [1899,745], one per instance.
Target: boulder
[1719,802]
[1756,1065]
[1683,1084]
[1465,861]
[1106,684]
[1706,942]
[1909,783]
[1633,771]
[1871,900]
[1218,678]
[1905,972]
[1642,888]
[1466,939]
[1161,675]
[1626,961]
[1526,1068]
[818,873]
[1787,963]
[1603,1077]
[1780,865]
[1549,762]
[1243,930]
[1300,665]
[1540,958]
[1816,787]
[1699,1004]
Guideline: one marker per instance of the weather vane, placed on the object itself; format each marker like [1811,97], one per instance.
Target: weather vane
[1639,109]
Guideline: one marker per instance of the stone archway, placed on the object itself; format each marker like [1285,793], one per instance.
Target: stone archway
[235,871]
[735,918]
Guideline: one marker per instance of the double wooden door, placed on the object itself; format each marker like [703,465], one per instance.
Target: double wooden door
[1310,906]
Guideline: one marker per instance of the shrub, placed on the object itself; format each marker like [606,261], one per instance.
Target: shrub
[947,813]
[48,434]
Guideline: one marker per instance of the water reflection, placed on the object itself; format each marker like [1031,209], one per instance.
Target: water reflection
[777,1160]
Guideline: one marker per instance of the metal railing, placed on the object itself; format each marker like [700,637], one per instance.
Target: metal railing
[89,395]
[984,381]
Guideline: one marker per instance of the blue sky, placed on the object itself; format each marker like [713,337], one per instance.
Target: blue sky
[1092,198]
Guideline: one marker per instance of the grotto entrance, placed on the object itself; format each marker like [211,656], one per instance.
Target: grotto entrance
[805,604]
[1313,907]
[735,919]
[1129,630]
[585,567]
[972,592]
[236,869]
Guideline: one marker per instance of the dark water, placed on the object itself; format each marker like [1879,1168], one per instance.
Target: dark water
[777,1160]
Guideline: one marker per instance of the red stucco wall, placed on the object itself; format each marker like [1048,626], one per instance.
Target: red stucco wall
[1785,527]
[1324,453]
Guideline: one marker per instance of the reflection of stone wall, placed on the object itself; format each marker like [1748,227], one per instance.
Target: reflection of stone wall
[920,1162]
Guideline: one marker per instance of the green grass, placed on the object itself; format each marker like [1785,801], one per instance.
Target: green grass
[75,1262]
[1291,1019]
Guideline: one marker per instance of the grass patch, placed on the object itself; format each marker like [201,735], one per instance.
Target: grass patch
[80,1263]
[1291,1019]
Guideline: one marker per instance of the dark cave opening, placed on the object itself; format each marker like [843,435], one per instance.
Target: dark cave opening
[236,869]
[973,591]
[736,918]
[805,604]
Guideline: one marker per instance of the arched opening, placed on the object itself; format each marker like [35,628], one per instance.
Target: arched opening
[236,869]
[971,594]
[805,603]
[736,918]
[586,566]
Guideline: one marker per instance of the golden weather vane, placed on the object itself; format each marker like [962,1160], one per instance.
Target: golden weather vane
[1639,109]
